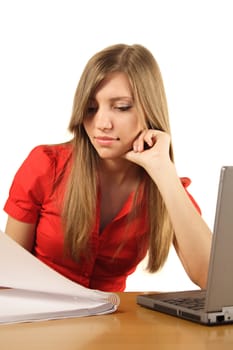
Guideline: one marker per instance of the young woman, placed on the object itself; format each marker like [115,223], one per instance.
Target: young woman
[92,208]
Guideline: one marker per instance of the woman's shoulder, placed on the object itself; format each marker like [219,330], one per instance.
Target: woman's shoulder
[35,179]
[47,160]
[61,150]
[57,154]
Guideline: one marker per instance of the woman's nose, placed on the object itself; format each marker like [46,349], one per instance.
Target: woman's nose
[103,120]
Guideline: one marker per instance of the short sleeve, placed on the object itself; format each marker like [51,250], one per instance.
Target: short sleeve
[31,184]
[186,182]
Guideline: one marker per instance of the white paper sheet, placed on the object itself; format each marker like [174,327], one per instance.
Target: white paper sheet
[39,288]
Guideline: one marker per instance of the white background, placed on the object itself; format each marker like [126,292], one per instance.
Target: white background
[44,46]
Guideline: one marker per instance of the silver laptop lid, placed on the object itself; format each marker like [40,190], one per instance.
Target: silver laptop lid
[220,277]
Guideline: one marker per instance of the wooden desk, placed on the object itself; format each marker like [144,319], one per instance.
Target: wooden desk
[131,327]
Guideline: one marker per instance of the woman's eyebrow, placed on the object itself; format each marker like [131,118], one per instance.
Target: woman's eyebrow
[121,98]
[115,99]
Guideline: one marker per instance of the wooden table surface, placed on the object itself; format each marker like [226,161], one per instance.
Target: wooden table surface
[130,327]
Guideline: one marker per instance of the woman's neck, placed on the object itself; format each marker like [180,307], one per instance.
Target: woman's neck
[117,181]
[119,172]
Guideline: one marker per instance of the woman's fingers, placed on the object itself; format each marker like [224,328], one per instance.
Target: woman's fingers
[147,138]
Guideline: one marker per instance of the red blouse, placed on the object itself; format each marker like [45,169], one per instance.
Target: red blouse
[34,199]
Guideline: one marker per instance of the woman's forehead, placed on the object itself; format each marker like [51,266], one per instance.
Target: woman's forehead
[116,85]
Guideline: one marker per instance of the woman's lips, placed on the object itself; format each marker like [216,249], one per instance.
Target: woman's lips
[105,140]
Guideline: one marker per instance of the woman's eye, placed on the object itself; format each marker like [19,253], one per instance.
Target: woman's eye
[123,108]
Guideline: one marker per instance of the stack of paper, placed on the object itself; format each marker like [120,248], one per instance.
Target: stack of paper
[37,292]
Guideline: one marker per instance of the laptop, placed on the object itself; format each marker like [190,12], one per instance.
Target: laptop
[213,305]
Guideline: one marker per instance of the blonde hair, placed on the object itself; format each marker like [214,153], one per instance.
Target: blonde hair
[145,78]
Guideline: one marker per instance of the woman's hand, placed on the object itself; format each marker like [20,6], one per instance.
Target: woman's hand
[150,150]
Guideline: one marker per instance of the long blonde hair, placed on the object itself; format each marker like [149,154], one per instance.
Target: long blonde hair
[79,210]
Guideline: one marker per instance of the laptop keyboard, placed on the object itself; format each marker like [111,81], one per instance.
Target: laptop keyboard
[190,303]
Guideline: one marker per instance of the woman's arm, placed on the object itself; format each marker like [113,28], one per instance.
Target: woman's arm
[21,232]
[192,235]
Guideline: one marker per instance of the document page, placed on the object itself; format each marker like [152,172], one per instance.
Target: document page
[41,289]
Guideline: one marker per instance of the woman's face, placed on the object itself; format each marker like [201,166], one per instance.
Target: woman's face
[112,122]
